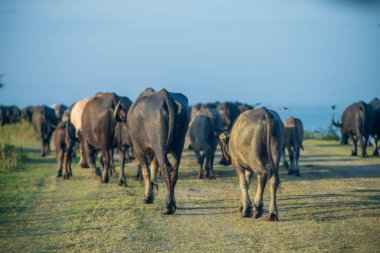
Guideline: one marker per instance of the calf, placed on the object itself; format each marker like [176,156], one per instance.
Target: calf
[293,137]
[254,145]
[203,130]
[64,141]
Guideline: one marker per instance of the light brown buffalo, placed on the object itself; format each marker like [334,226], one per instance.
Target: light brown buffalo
[76,120]
[254,145]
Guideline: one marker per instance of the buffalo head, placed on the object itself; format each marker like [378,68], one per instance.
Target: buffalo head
[224,139]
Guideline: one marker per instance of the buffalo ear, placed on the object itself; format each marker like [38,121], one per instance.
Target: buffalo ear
[120,113]
[224,136]
[121,116]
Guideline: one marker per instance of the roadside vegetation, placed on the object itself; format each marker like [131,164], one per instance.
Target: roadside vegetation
[328,133]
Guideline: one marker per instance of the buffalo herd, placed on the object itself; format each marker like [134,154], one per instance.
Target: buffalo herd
[152,130]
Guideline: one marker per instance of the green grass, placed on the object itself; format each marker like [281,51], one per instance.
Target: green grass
[333,207]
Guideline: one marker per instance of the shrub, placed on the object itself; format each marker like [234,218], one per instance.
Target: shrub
[10,156]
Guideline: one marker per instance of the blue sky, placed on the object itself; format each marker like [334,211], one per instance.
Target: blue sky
[283,52]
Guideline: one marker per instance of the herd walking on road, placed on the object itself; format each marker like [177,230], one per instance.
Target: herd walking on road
[152,131]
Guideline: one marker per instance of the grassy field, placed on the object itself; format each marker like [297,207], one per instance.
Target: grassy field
[333,207]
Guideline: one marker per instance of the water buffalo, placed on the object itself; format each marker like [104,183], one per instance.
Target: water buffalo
[254,145]
[99,119]
[27,113]
[64,140]
[293,137]
[375,126]
[9,115]
[59,110]
[44,123]
[356,123]
[196,107]
[157,124]
[243,107]
[229,112]
[76,119]
[203,132]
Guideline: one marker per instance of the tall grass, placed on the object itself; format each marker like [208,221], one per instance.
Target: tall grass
[10,156]
[12,139]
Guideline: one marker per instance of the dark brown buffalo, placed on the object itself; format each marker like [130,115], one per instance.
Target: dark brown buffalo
[375,127]
[229,112]
[356,123]
[203,131]
[9,115]
[27,113]
[293,137]
[254,145]
[44,123]
[64,140]
[157,125]
[99,118]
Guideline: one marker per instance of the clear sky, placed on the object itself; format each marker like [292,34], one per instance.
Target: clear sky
[284,52]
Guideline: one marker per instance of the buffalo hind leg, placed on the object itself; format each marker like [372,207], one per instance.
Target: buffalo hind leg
[211,161]
[354,146]
[90,157]
[274,184]
[200,160]
[148,195]
[246,211]
[259,203]
[363,144]
[59,161]
[297,157]
[154,171]
[122,178]
[375,140]
[291,159]
[106,166]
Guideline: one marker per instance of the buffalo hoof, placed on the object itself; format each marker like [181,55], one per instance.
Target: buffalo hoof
[247,213]
[272,217]
[297,173]
[65,176]
[376,153]
[259,210]
[84,165]
[59,174]
[104,179]
[170,208]
[149,199]
[43,154]
[97,172]
[200,176]
[240,209]
[290,172]
[286,165]
[122,182]
[354,153]
[364,155]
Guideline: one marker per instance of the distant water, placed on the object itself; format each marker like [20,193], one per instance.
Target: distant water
[313,117]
